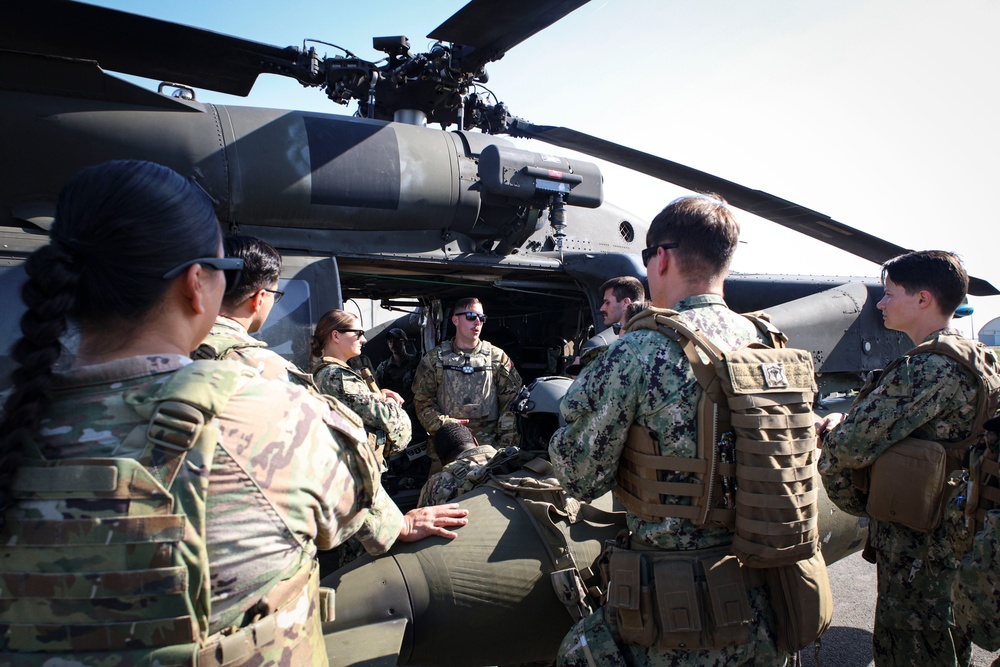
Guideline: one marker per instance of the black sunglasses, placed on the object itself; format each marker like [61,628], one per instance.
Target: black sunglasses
[276,292]
[472,316]
[232,268]
[650,252]
[357,332]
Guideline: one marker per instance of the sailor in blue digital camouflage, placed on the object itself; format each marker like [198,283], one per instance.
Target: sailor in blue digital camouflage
[469,381]
[245,310]
[643,381]
[463,459]
[336,340]
[155,509]
[929,396]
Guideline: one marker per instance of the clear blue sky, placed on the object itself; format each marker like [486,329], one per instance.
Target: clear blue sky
[881,114]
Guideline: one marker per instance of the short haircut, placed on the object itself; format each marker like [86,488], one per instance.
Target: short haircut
[635,308]
[451,440]
[940,273]
[705,231]
[462,305]
[624,287]
[261,267]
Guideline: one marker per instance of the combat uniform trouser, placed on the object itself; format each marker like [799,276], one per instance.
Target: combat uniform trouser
[914,616]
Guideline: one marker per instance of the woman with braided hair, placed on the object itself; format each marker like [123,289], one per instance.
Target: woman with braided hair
[149,502]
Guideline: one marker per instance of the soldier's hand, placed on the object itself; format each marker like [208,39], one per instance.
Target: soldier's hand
[827,424]
[433,520]
[390,395]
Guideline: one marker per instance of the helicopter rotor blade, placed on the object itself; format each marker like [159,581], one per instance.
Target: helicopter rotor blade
[142,46]
[492,33]
[785,213]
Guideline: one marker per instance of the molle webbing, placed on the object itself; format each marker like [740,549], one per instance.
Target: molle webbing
[756,448]
[116,561]
[640,490]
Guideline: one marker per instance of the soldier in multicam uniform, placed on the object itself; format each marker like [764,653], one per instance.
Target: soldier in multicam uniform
[462,458]
[336,340]
[245,310]
[644,380]
[158,510]
[469,381]
[929,396]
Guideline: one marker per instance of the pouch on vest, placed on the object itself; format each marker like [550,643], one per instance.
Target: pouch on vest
[925,464]
[907,483]
[802,600]
[679,600]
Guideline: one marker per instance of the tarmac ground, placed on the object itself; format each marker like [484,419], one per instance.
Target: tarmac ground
[848,642]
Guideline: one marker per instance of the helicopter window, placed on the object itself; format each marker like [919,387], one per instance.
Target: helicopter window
[627,231]
[289,325]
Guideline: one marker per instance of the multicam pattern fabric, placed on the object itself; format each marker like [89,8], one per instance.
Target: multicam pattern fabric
[932,397]
[289,476]
[456,477]
[382,418]
[229,340]
[483,397]
[644,378]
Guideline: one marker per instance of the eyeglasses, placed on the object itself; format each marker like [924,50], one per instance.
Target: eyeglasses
[232,268]
[276,292]
[472,316]
[357,332]
[651,251]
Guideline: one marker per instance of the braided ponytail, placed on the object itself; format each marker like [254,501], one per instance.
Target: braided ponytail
[49,295]
[119,227]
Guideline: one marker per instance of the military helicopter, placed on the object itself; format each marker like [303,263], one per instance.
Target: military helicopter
[461,211]
[380,206]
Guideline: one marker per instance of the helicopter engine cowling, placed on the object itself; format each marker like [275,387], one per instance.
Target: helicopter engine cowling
[494,576]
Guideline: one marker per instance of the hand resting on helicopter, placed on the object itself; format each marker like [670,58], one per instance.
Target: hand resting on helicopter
[432,520]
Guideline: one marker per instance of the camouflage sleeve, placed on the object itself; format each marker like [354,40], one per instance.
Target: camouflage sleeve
[928,396]
[377,413]
[270,365]
[381,524]
[425,388]
[508,385]
[311,473]
[438,490]
[599,407]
